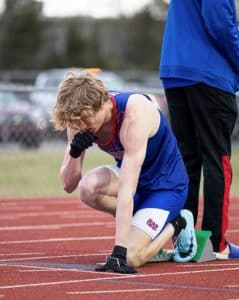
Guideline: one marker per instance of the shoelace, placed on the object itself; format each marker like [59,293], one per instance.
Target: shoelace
[180,244]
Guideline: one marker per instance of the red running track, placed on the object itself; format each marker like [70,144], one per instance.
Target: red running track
[49,249]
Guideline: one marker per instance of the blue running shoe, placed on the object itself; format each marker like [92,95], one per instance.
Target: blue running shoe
[185,242]
[233,253]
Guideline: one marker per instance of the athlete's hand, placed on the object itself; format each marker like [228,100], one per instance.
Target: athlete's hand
[117,262]
[80,142]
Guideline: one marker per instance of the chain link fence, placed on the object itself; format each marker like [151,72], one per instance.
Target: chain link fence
[25,116]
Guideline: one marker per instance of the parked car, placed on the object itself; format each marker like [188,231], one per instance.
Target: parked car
[112,80]
[46,98]
[21,120]
[50,79]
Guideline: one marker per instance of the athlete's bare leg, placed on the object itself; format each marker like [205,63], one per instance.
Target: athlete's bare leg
[141,248]
[98,189]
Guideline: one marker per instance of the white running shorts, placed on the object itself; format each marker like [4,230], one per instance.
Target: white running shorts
[150,220]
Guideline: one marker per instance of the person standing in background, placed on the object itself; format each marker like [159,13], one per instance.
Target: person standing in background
[199,68]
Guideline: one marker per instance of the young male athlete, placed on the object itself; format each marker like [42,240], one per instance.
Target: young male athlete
[147,187]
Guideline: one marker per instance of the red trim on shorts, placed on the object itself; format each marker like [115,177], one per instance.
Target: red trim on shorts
[227,172]
[113,124]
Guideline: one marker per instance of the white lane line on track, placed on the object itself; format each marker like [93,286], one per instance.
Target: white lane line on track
[53,213]
[54,256]
[107,251]
[8,204]
[38,201]
[210,265]
[63,216]
[92,238]
[113,291]
[20,208]
[114,277]
[36,214]
[54,226]
[86,216]
[35,271]
[40,268]
[21,254]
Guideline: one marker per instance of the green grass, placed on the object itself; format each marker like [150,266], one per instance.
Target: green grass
[235,169]
[36,173]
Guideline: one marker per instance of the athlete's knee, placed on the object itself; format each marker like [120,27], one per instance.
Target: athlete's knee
[87,191]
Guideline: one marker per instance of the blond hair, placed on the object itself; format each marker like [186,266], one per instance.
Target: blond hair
[79,96]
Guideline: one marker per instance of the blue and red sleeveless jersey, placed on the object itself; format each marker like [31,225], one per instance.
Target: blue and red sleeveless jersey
[163,167]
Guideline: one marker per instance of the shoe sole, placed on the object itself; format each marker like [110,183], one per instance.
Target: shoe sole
[220,256]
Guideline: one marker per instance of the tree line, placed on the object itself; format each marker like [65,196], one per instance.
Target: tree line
[30,41]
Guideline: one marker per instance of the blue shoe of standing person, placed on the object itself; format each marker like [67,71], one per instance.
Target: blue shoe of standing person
[233,253]
[185,243]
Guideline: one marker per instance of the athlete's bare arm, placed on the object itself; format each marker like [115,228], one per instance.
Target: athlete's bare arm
[140,123]
[70,171]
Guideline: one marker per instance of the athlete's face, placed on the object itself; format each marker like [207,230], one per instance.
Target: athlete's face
[94,122]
